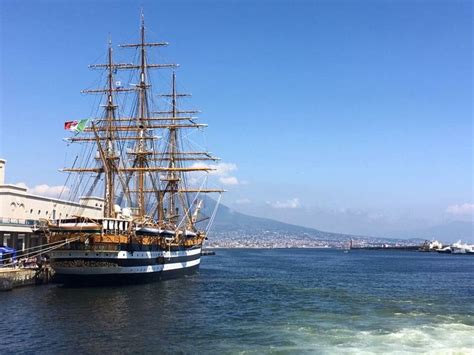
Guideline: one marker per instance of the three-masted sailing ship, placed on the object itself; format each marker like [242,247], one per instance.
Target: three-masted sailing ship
[153,226]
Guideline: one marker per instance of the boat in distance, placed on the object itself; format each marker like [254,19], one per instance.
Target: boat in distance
[150,177]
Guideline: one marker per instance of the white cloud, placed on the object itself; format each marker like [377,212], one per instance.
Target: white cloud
[221,170]
[243,201]
[466,209]
[292,203]
[45,190]
[21,184]
[229,180]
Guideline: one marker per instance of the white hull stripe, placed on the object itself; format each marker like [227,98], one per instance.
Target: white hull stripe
[125,270]
[74,254]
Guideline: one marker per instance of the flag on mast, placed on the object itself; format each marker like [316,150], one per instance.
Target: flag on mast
[75,126]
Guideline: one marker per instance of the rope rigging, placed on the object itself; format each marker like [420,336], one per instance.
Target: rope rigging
[41,252]
[153,170]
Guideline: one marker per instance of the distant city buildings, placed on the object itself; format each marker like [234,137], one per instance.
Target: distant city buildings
[284,239]
[20,212]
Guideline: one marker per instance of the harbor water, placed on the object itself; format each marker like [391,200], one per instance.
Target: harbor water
[259,301]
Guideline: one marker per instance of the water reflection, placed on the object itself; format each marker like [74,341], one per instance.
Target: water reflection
[258,301]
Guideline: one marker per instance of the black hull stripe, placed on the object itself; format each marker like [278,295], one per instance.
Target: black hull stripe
[131,262]
[121,279]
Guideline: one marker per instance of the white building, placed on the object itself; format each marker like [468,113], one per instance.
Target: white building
[20,212]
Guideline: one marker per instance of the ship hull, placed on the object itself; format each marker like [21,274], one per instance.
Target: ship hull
[86,280]
[94,268]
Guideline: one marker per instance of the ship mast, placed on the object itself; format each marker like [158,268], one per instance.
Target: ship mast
[173,178]
[145,163]
[174,158]
[110,157]
[142,153]
[106,142]
[142,100]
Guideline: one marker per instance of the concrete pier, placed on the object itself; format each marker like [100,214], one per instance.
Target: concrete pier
[18,277]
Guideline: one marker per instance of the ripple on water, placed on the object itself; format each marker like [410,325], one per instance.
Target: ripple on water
[259,301]
[444,338]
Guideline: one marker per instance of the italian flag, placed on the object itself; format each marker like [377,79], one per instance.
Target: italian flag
[75,126]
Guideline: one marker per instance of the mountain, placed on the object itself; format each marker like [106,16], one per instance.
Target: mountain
[228,220]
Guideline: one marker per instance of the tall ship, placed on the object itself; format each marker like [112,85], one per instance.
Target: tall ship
[149,173]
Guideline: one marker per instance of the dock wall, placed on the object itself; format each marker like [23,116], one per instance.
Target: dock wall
[11,277]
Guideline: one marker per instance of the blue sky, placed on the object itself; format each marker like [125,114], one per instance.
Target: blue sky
[351,116]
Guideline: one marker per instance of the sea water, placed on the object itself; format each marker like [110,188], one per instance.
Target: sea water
[253,301]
